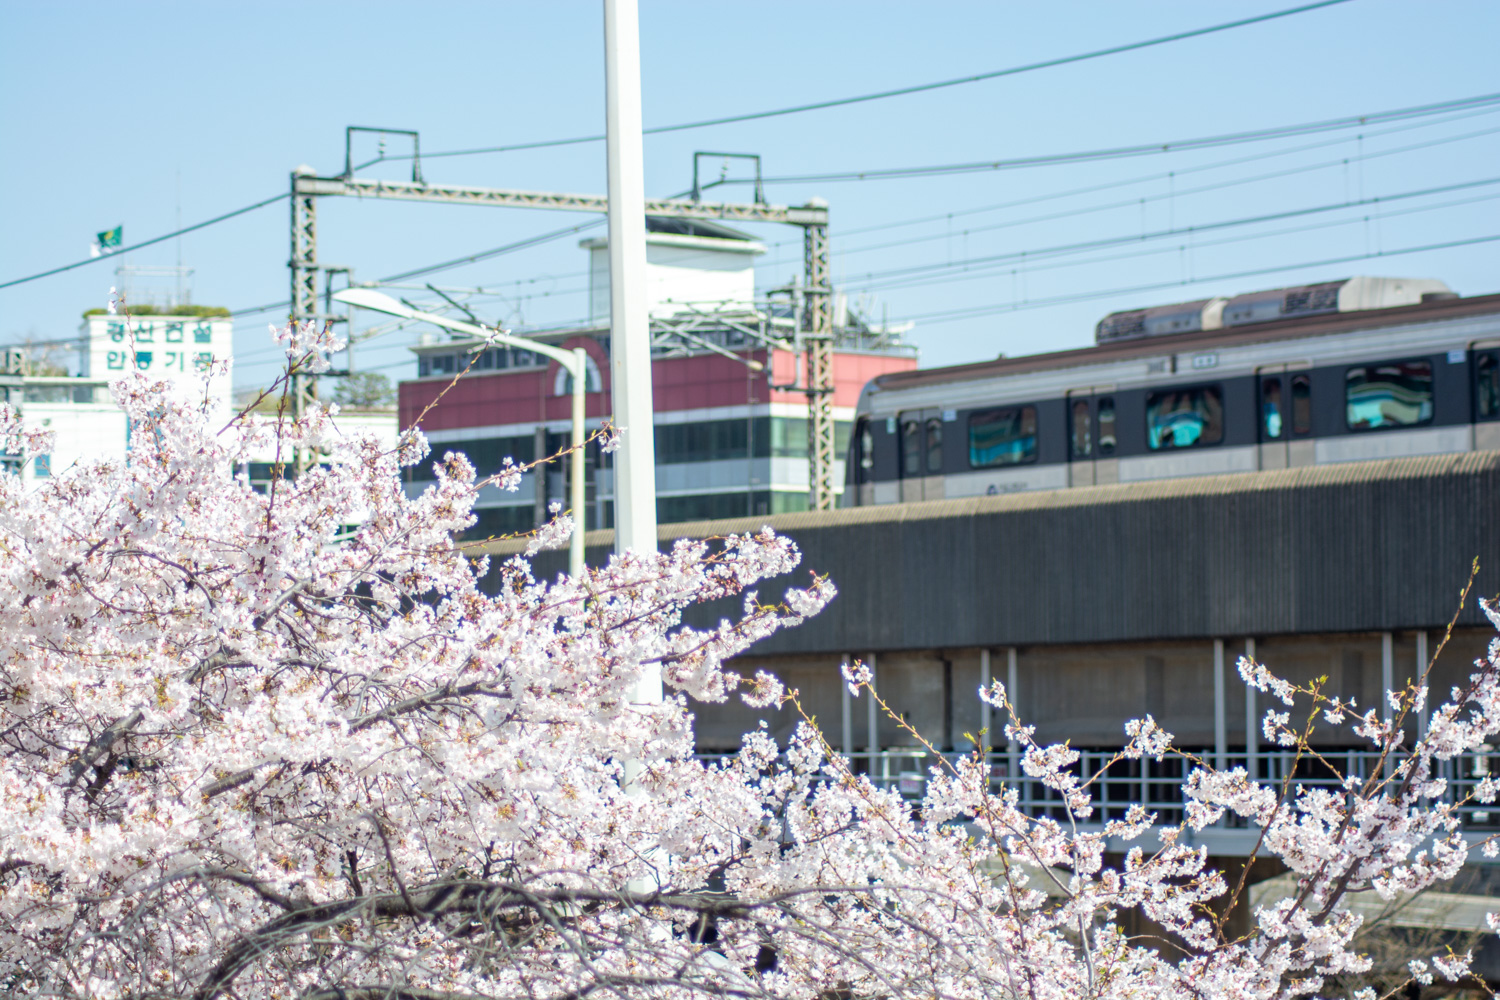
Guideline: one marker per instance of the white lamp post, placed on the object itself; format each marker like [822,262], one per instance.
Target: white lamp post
[575,361]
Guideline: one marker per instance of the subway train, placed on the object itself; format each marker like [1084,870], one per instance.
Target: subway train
[1359,369]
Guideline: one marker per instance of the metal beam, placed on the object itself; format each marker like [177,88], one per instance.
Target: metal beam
[817,332]
[818,338]
[303,266]
[463,194]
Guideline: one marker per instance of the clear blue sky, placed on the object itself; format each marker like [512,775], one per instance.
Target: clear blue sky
[110,110]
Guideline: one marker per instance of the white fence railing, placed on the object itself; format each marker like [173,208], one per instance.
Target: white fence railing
[1158,785]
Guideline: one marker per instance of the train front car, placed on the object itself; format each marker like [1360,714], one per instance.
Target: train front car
[1360,369]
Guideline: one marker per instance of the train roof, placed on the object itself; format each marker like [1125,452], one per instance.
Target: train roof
[1171,343]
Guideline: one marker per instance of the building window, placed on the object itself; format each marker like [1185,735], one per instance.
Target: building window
[1003,437]
[1487,372]
[1083,430]
[1398,394]
[487,455]
[1182,418]
[1270,408]
[1106,426]
[435,364]
[934,446]
[43,466]
[911,448]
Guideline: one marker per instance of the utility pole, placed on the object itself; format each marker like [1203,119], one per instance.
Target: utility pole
[630,325]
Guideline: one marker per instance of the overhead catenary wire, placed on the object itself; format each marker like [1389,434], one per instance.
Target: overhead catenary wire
[976,312]
[980,268]
[1059,262]
[1443,107]
[1109,241]
[1055,264]
[1483,104]
[1035,263]
[902,91]
[1179,172]
[146,243]
[524,244]
[1164,196]
[777,112]
[1130,151]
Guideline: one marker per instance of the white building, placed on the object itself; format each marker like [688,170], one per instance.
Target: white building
[691,264]
[81,412]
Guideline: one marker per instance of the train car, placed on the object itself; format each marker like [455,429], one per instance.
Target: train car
[1359,369]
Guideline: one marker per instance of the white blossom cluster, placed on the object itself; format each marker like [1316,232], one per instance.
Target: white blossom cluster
[282,745]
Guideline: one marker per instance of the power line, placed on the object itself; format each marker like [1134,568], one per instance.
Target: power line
[1147,178]
[1485,104]
[1139,149]
[530,241]
[1236,161]
[902,91]
[496,252]
[1062,261]
[146,243]
[1109,241]
[1161,176]
[1470,103]
[975,312]
[1135,202]
[1099,53]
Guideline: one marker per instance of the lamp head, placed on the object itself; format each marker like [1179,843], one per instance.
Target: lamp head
[369,298]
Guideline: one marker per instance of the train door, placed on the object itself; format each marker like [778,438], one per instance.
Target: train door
[1484,357]
[921,434]
[1284,395]
[1092,443]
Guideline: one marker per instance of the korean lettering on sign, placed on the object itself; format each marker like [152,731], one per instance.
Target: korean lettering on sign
[170,361]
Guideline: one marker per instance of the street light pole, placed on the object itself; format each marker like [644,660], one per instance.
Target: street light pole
[575,361]
[630,334]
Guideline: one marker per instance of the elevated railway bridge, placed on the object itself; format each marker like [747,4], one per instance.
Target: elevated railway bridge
[1103,604]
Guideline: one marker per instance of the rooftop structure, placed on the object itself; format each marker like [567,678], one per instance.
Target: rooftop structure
[691,265]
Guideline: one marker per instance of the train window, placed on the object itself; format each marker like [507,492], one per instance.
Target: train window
[1106,426]
[1398,394]
[1301,404]
[1270,408]
[934,445]
[1181,418]
[911,448]
[1487,369]
[866,446]
[1003,437]
[1083,432]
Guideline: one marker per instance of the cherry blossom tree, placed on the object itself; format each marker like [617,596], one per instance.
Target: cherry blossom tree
[282,745]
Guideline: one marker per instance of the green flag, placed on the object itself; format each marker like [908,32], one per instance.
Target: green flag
[111,238]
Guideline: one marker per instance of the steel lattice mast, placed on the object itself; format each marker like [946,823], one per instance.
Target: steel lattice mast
[816,333]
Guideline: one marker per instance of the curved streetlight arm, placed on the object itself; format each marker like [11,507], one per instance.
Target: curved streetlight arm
[575,361]
[369,298]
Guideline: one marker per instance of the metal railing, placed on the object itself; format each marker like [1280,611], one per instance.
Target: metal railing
[1158,784]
